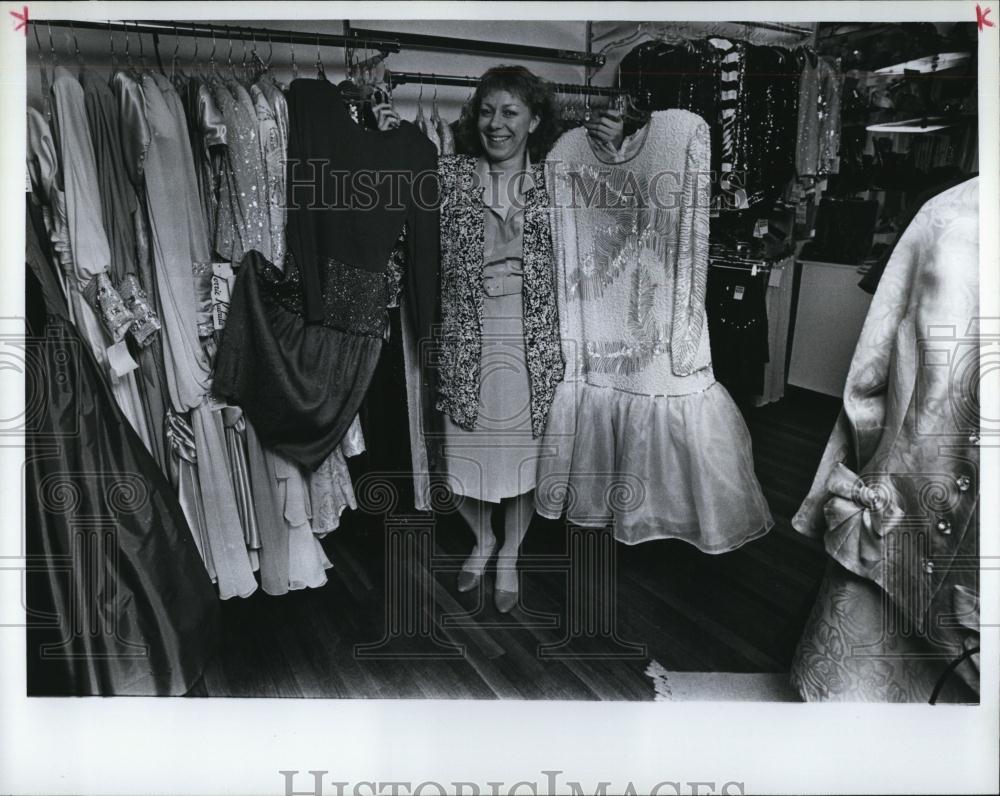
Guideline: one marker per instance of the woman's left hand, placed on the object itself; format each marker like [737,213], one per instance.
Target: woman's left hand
[608,128]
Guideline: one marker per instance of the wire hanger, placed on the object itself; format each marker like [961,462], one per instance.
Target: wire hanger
[76,48]
[111,48]
[229,57]
[320,71]
[52,49]
[295,66]
[46,92]
[173,58]
[211,58]
[142,52]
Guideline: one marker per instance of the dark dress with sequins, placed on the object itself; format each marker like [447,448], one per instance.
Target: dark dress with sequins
[300,347]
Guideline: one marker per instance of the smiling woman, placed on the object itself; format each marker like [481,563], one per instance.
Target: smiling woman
[500,355]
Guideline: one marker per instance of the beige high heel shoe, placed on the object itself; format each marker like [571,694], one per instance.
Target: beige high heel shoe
[468,580]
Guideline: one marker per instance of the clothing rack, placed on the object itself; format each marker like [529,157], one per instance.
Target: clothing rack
[736,262]
[399,78]
[352,38]
[227,32]
[420,41]
[659,30]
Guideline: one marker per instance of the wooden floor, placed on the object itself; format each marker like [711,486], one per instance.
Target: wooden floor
[740,612]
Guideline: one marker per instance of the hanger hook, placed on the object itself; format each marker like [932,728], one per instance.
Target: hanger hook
[76,44]
[229,54]
[196,40]
[142,52]
[52,46]
[270,48]
[38,42]
[211,58]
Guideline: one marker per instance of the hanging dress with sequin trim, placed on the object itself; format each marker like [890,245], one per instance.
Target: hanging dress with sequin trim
[640,434]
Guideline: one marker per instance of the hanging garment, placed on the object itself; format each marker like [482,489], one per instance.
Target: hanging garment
[766,122]
[640,433]
[736,305]
[243,223]
[144,621]
[154,120]
[300,347]
[330,490]
[445,135]
[698,76]
[818,127]
[100,311]
[273,150]
[779,313]
[119,207]
[209,137]
[895,498]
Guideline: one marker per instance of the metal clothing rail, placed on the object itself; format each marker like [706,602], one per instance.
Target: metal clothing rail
[385,41]
[781,27]
[399,78]
[420,41]
[228,32]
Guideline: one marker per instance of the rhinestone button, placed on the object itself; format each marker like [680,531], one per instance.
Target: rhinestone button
[963,482]
[929,567]
[974,437]
[943,525]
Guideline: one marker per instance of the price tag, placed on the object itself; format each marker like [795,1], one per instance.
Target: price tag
[760,228]
[222,283]
[738,293]
[774,280]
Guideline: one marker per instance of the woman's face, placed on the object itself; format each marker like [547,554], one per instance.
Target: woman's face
[505,122]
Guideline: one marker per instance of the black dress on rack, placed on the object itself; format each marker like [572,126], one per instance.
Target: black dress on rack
[300,348]
[736,305]
[118,600]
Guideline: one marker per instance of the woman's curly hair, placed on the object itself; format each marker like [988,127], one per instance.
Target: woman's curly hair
[532,90]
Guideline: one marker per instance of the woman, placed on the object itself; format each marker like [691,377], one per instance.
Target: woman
[500,357]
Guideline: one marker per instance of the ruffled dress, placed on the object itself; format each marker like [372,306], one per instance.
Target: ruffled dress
[640,435]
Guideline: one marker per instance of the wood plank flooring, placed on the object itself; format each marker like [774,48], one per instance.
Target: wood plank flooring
[741,612]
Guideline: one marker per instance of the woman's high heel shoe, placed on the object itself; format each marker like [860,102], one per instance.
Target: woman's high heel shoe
[504,600]
[467,579]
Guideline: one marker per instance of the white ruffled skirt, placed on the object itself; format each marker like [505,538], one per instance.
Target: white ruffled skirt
[656,467]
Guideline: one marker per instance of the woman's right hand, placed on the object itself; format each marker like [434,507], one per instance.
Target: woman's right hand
[387,118]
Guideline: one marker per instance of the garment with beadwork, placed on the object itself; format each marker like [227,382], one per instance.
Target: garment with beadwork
[640,434]
[300,346]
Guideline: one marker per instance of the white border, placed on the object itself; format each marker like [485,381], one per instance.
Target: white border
[132,746]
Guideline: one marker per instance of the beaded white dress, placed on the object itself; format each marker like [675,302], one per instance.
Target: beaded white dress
[640,434]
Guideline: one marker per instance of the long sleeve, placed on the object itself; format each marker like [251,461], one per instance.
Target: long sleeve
[91,253]
[424,244]
[691,264]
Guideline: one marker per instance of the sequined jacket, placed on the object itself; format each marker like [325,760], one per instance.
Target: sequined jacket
[460,339]
[896,496]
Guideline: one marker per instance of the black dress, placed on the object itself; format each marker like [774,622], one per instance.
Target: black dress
[300,348]
[118,600]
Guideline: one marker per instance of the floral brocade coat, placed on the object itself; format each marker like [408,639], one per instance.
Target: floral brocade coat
[462,258]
